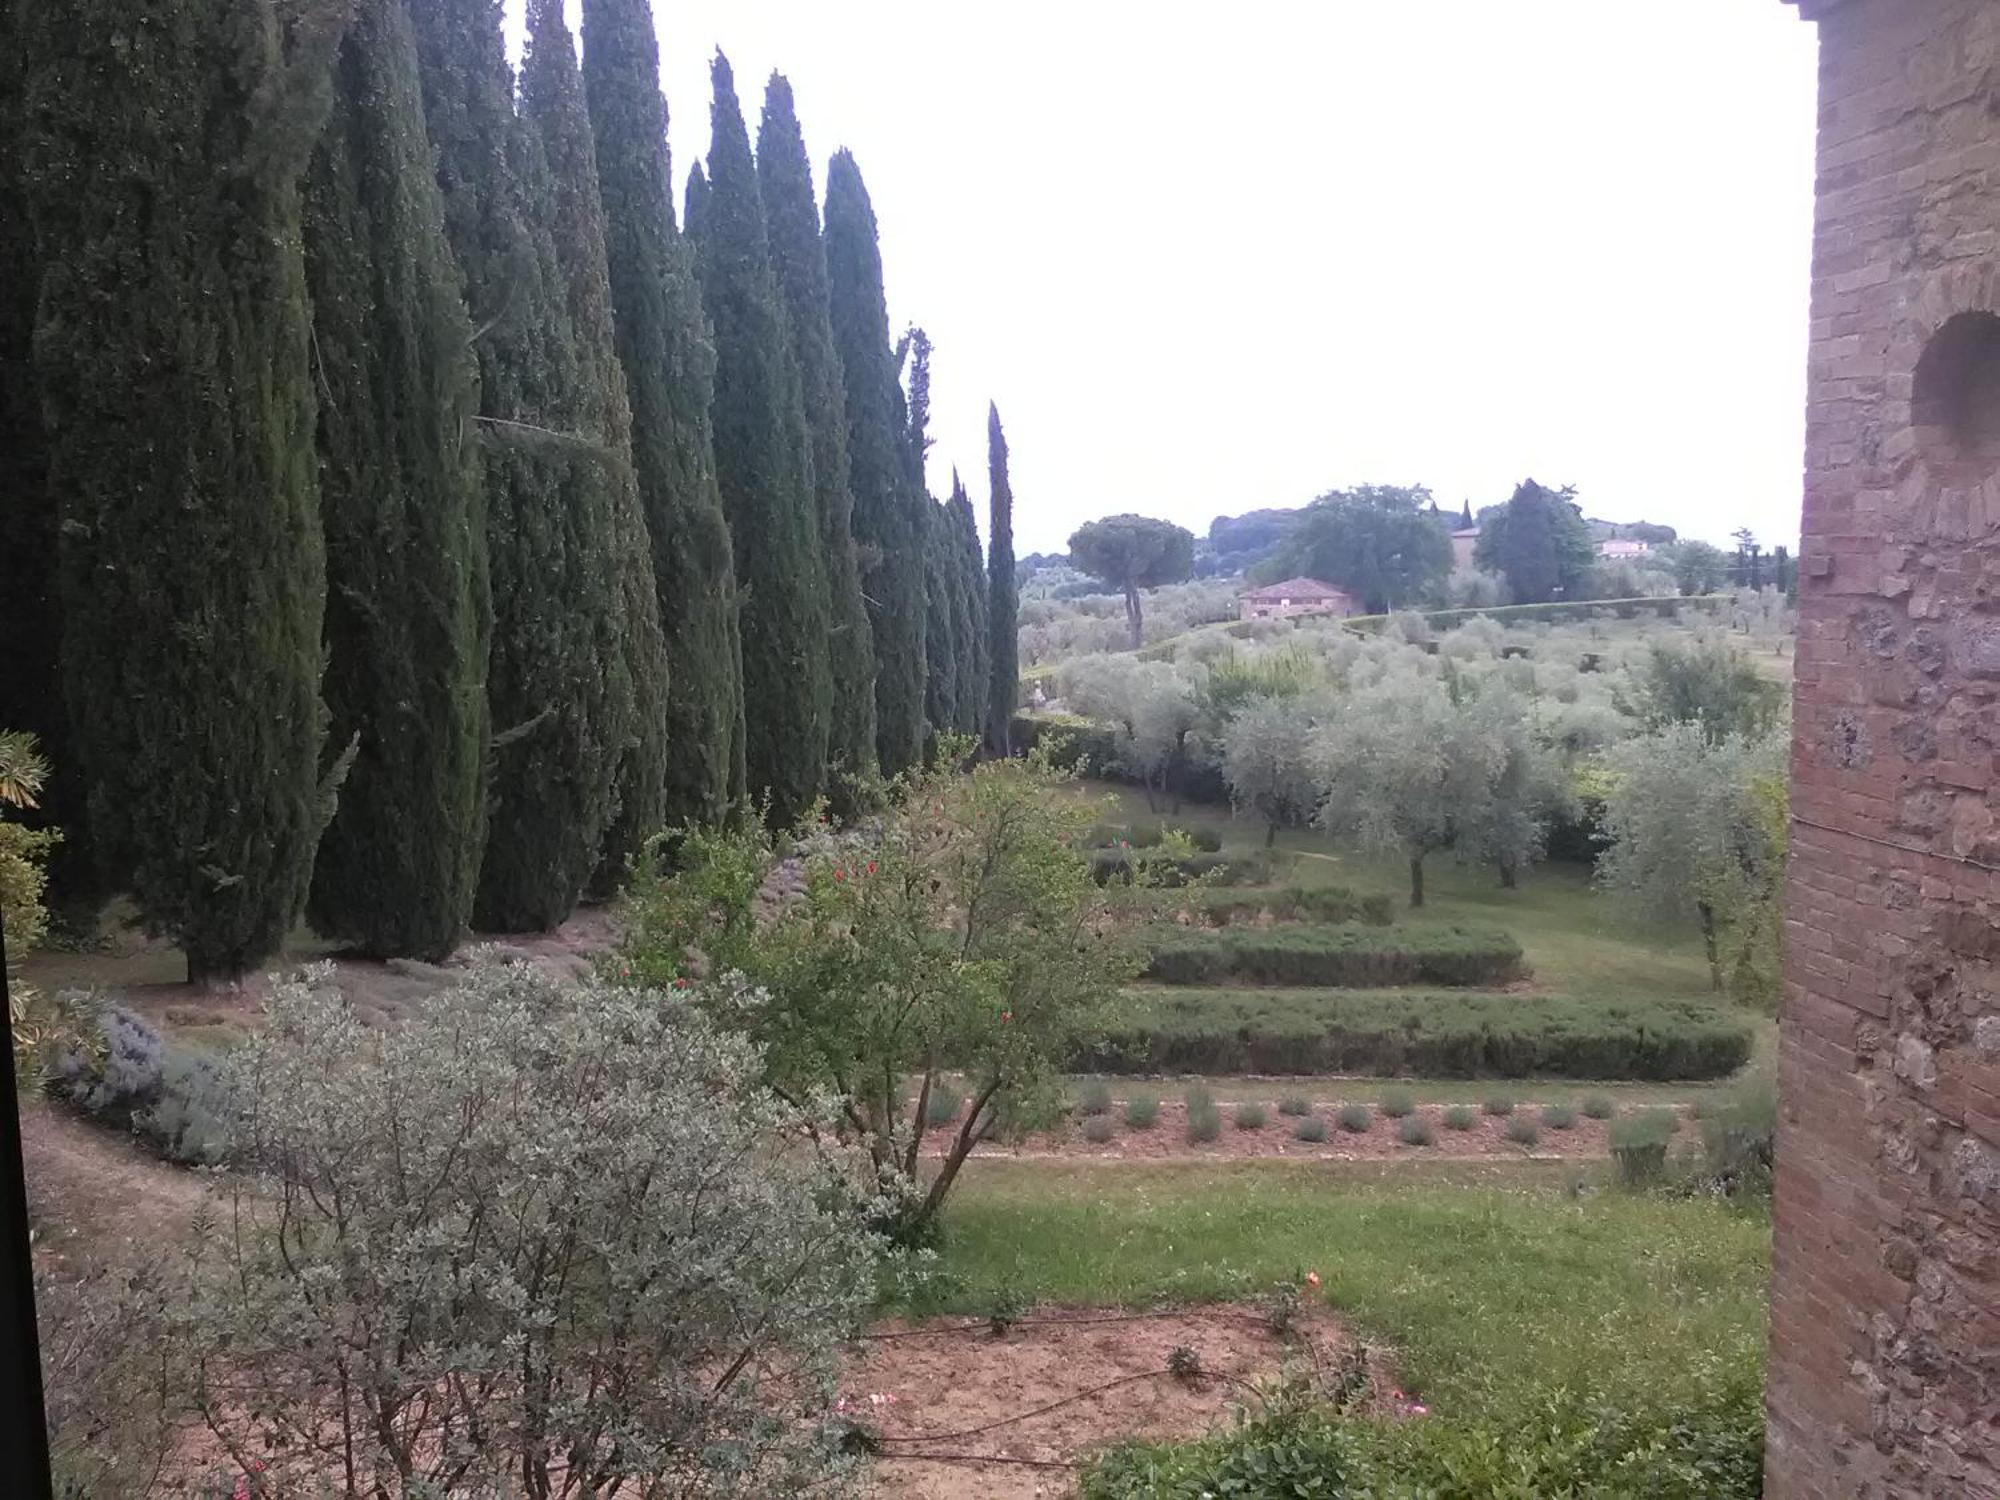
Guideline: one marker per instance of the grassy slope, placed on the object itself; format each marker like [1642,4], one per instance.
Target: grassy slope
[1482,1278]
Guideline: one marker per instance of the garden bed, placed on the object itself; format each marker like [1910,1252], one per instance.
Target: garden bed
[1167,1139]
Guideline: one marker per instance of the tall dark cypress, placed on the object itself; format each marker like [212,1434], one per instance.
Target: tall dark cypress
[585,785]
[798,259]
[940,643]
[969,610]
[406,616]
[669,373]
[764,471]
[561,722]
[171,356]
[30,684]
[1003,662]
[884,518]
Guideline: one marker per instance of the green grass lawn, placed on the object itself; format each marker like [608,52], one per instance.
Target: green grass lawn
[1481,1279]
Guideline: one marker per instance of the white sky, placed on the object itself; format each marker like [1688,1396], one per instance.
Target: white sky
[1212,258]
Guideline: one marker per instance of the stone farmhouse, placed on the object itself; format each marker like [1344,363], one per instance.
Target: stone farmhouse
[1296,596]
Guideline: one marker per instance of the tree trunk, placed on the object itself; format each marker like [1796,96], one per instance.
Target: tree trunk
[1507,877]
[1416,880]
[1134,620]
[1270,834]
[1708,938]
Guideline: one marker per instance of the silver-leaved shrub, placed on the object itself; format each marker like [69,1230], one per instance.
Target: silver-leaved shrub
[546,1238]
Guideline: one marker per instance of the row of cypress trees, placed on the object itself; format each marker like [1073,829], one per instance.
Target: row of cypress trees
[420,516]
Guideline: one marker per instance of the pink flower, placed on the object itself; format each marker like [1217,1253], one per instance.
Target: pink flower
[871,867]
[1006,1015]
[838,873]
[1312,1278]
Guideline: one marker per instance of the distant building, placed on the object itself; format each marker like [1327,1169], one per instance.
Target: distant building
[1463,540]
[1296,596]
[1616,548]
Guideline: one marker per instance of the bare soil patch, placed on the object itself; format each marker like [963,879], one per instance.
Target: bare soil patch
[1057,1387]
[96,1197]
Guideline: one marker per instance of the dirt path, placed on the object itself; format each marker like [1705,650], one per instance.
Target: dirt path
[95,1195]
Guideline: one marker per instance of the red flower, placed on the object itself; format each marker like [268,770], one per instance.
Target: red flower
[1312,1278]
[1006,1015]
[838,873]
[871,867]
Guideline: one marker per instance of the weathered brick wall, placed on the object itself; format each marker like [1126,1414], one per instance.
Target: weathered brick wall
[1885,1337]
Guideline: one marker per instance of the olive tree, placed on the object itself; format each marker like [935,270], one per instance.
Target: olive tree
[1131,553]
[961,933]
[1158,710]
[1695,831]
[541,1239]
[1267,759]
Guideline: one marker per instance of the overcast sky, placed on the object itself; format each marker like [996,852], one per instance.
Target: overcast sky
[1212,258]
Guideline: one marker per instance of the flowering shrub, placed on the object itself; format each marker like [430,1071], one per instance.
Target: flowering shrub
[960,931]
[536,1233]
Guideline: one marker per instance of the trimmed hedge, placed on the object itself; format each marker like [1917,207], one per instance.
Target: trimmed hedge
[1108,865]
[1558,612]
[1424,1035]
[1318,903]
[1346,957]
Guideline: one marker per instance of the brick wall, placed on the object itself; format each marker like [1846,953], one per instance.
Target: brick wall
[1885,1330]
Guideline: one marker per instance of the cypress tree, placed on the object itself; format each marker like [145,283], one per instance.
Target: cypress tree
[884,519]
[941,650]
[669,373]
[587,785]
[1002,601]
[764,472]
[171,356]
[969,610]
[562,723]
[798,259]
[406,616]
[30,686]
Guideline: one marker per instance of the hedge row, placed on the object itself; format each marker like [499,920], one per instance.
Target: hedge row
[1425,1035]
[1122,865]
[1146,835]
[1559,612]
[1319,903]
[1349,957]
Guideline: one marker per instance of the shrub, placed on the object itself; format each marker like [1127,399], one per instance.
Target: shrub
[1444,1035]
[1347,957]
[1098,1129]
[1739,1137]
[1329,904]
[566,1114]
[943,1106]
[1639,1146]
[1311,1128]
[1251,1116]
[1397,1103]
[1094,1098]
[1460,1117]
[1415,1130]
[1198,1096]
[1142,1112]
[1204,1122]
[1498,1104]
[1355,1118]
[1523,1131]
[1599,1107]
[1558,1116]
[1295,1104]
[171,1097]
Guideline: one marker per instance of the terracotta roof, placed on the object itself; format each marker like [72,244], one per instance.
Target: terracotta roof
[1298,588]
